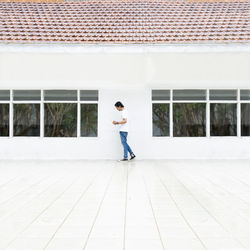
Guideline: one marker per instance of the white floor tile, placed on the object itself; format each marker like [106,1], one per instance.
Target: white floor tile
[189,205]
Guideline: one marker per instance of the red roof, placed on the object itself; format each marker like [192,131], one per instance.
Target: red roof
[124,21]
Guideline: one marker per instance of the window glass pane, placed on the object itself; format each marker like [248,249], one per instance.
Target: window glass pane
[89,95]
[60,119]
[160,119]
[245,94]
[60,95]
[89,120]
[160,95]
[189,119]
[26,119]
[189,94]
[223,94]
[245,119]
[26,95]
[4,95]
[4,119]
[223,119]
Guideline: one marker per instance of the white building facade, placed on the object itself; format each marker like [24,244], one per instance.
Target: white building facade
[184,101]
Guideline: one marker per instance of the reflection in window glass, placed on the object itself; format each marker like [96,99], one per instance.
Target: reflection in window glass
[26,119]
[26,95]
[160,94]
[223,119]
[189,119]
[245,94]
[189,94]
[89,120]
[4,95]
[223,94]
[160,119]
[4,119]
[60,119]
[60,95]
[245,119]
[89,95]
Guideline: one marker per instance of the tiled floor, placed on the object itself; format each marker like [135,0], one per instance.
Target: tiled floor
[140,205]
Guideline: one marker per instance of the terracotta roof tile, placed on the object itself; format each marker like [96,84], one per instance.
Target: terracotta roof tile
[124,21]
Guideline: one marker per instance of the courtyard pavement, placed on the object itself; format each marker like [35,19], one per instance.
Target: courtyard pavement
[137,205]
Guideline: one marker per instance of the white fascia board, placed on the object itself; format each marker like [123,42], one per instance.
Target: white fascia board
[124,48]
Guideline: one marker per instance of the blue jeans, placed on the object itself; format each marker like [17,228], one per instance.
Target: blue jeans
[126,147]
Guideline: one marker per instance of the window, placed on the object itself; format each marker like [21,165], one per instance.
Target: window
[245,112]
[4,95]
[223,119]
[26,119]
[160,119]
[89,111]
[201,112]
[189,115]
[60,118]
[49,113]
[189,119]
[161,95]
[26,95]
[222,94]
[223,112]
[4,119]
[89,120]
[245,119]
[189,94]
[245,94]
[60,95]
[89,95]
[4,112]
[26,116]
[160,112]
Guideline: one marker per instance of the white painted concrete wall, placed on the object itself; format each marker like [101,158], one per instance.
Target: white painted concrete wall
[128,76]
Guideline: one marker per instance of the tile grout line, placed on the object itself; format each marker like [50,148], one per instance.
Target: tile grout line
[235,179]
[99,208]
[24,190]
[223,189]
[42,211]
[125,215]
[20,177]
[151,205]
[73,207]
[206,208]
[226,191]
[41,192]
[210,194]
[179,209]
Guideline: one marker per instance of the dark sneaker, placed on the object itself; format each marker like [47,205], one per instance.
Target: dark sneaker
[132,157]
[124,159]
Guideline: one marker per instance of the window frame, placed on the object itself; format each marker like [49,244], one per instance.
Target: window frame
[239,112]
[226,102]
[238,102]
[170,112]
[11,103]
[10,112]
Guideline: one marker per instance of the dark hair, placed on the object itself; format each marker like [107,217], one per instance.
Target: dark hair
[119,105]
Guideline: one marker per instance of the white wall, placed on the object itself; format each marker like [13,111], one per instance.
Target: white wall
[128,77]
